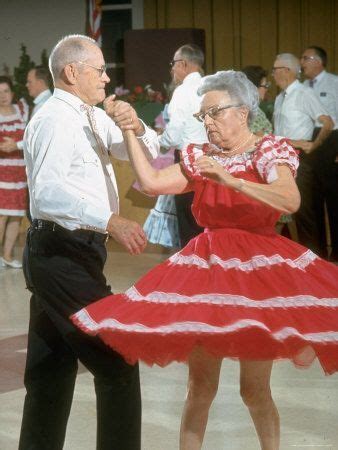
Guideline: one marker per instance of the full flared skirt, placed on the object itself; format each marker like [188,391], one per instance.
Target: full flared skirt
[236,293]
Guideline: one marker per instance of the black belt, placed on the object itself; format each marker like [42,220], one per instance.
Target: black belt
[40,224]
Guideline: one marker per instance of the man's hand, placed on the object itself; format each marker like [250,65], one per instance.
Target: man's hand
[123,115]
[128,233]
[302,144]
[8,145]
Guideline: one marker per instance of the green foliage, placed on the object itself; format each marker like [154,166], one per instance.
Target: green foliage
[44,58]
[21,71]
[20,74]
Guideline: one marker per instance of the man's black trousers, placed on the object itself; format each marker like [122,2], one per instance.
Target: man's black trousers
[64,271]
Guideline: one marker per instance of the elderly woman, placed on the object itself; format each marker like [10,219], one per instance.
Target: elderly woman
[13,185]
[238,289]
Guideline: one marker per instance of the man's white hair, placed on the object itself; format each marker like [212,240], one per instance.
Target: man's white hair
[291,61]
[73,47]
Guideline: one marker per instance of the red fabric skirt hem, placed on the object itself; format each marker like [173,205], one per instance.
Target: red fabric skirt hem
[253,344]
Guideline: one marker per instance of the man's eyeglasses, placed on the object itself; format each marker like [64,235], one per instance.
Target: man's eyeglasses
[213,113]
[174,61]
[101,70]
[273,70]
[265,85]
[309,58]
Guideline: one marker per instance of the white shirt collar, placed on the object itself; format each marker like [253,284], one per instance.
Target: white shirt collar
[44,95]
[292,87]
[319,76]
[191,77]
[69,98]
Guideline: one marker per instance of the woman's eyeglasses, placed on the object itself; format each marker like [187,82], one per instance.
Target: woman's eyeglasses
[213,112]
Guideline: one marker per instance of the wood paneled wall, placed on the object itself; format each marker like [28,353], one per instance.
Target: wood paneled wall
[242,32]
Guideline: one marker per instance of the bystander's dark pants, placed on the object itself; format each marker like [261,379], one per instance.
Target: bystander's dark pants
[310,233]
[187,226]
[64,271]
[326,170]
[317,180]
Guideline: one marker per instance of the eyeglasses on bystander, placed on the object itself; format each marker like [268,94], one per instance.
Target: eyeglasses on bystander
[274,69]
[309,58]
[174,61]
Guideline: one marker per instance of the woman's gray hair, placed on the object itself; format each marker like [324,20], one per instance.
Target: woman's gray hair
[69,49]
[291,62]
[236,84]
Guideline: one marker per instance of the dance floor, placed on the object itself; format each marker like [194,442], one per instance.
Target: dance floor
[307,400]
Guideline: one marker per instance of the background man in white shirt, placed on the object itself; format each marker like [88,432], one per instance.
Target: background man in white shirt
[183,129]
[74,207]
[296,111]
[38,82]
[325,86]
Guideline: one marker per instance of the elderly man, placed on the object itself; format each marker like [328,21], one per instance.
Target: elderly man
[296,111]
[183,128]
[325,86]
[38,81]
[74,207]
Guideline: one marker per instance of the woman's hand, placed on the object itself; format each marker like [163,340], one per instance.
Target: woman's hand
[210,168]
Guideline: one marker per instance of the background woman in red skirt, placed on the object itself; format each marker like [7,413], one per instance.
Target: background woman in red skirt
[13,185]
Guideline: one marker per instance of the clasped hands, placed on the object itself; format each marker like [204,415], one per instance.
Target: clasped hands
[8,145]
[123,114]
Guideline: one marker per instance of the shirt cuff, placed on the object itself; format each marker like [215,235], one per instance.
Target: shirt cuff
[150,139]
[95,219]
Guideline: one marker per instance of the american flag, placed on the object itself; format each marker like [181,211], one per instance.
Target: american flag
[94,20]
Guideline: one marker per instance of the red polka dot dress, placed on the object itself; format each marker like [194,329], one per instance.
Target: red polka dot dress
[238,289]
[13,183]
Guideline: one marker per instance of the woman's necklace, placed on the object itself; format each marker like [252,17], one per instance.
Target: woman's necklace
[237,147]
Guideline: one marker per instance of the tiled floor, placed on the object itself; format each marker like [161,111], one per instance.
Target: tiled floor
[307,400]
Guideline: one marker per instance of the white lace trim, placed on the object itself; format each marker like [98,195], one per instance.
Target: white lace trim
[13,127]
[199,327]
[12,212]
[255,262]
[231,299]
[12,162]
[19,185]
[190,154]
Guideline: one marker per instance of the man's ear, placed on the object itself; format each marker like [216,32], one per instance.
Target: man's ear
[69,74]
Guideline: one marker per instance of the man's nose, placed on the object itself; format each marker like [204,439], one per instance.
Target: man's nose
[105,77]
[207,119]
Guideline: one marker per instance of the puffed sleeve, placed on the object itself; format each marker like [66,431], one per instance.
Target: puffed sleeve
[189,155]
[274,151]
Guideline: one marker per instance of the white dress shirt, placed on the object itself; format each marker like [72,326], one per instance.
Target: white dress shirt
[183,128]
[70,179]
[40,100]
[296,111]
[325,85]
